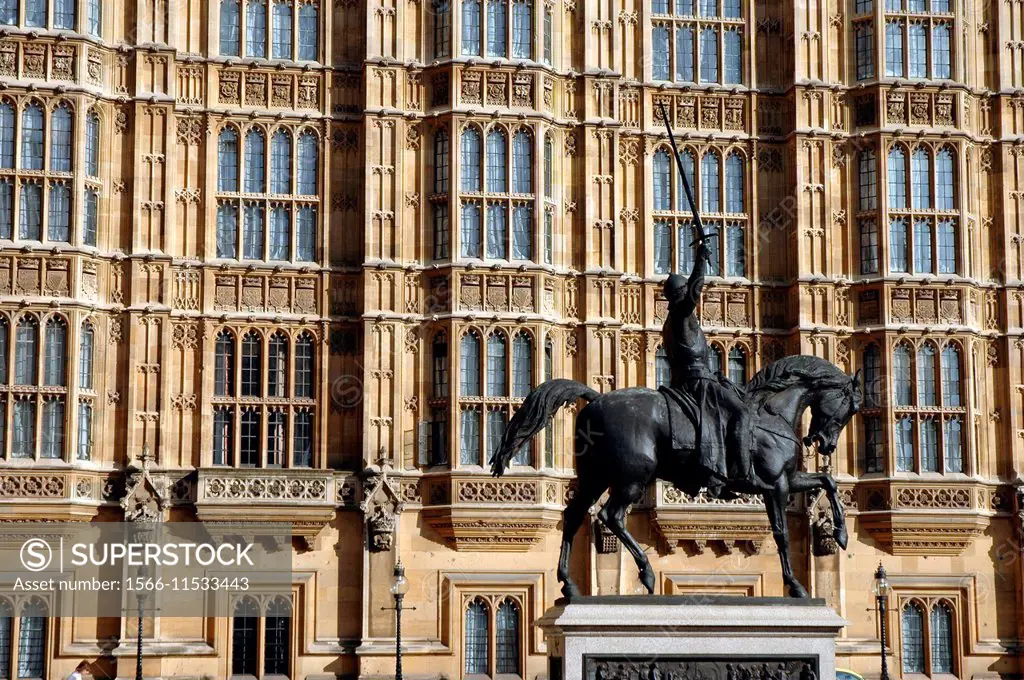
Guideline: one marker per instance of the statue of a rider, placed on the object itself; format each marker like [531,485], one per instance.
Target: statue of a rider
[721,418]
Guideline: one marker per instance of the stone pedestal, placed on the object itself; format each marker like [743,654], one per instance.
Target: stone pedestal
[690,637]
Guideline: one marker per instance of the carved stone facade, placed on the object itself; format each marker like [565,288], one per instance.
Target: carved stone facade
[385,452]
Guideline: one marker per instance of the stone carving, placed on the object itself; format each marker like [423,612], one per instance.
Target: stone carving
[14,485]
[497,492]
[382,530]
[255,89]
[382,504]
[142,501]
[264,488]
[229,91]
[664,667]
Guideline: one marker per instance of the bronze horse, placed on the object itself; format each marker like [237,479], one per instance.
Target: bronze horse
[623,442]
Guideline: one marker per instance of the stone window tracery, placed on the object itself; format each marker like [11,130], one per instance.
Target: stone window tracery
[496,25]
[673,221]
[691,43]
[507,368]
[927,636]
[38,162]
[918,39]
[929,416]
[23,638]
[492,632]
[924,231]
[273,35]
[35,386]
[279,225]
[490,202]
[266,417]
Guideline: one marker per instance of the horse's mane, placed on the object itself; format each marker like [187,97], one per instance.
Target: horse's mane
[791,370]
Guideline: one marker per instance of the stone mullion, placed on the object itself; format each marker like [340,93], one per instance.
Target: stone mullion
[74,337]
[77,208]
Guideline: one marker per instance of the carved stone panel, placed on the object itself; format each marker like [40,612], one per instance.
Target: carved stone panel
[662,667]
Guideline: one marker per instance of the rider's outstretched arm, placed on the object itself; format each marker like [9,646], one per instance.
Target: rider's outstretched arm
[688,303]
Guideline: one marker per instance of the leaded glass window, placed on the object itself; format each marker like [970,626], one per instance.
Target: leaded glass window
[32,138]
[469,366]
[497,379]
[230,29]
[912,633]
[476,638]
[507,637]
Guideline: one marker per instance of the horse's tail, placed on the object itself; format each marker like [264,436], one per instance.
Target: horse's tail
[534,414]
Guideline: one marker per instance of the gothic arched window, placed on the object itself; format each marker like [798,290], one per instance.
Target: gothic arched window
[497,178]
[277,365]
[662,180]
[921,179]
[224,365]
[255,162]
[85,358]
[471,27]
[522,365]
[497,379]
[281,163]
[897,171]
[901,375]
[941,624]
[662,372]
[230,28]
[308,164]
[32,639]
[227,160]
[252,365]
[734,191]
[912,630]
[60,139]
[7,132]
[304,367]
[439,367]
[944,180]
[507,637]
[282,30]
[309,31]
[522,29]
[476,638]
[277,637]
[738,366]
[32,143]
[92,144]
[470,159]
[522,163]
[469,365]
[244,637]
[256,29]
[497,28]
[710,174]
[55,357]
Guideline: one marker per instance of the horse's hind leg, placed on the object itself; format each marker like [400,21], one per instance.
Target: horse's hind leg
[587,493]
[613,514]
[775,502]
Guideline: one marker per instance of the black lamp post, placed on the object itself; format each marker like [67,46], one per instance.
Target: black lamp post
[882,589]
[399,587]
[143,572]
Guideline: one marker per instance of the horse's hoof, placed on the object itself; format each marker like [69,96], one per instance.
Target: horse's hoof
[841,537]
[647,578]
[797,590]
[570,590]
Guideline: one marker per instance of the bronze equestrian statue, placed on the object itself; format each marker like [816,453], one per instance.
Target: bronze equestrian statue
[702,432]
[713,402]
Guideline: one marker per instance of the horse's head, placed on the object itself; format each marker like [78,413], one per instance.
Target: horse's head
[831,409]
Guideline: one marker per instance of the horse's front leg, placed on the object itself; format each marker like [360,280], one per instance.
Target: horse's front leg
[812,481]
[775,502]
